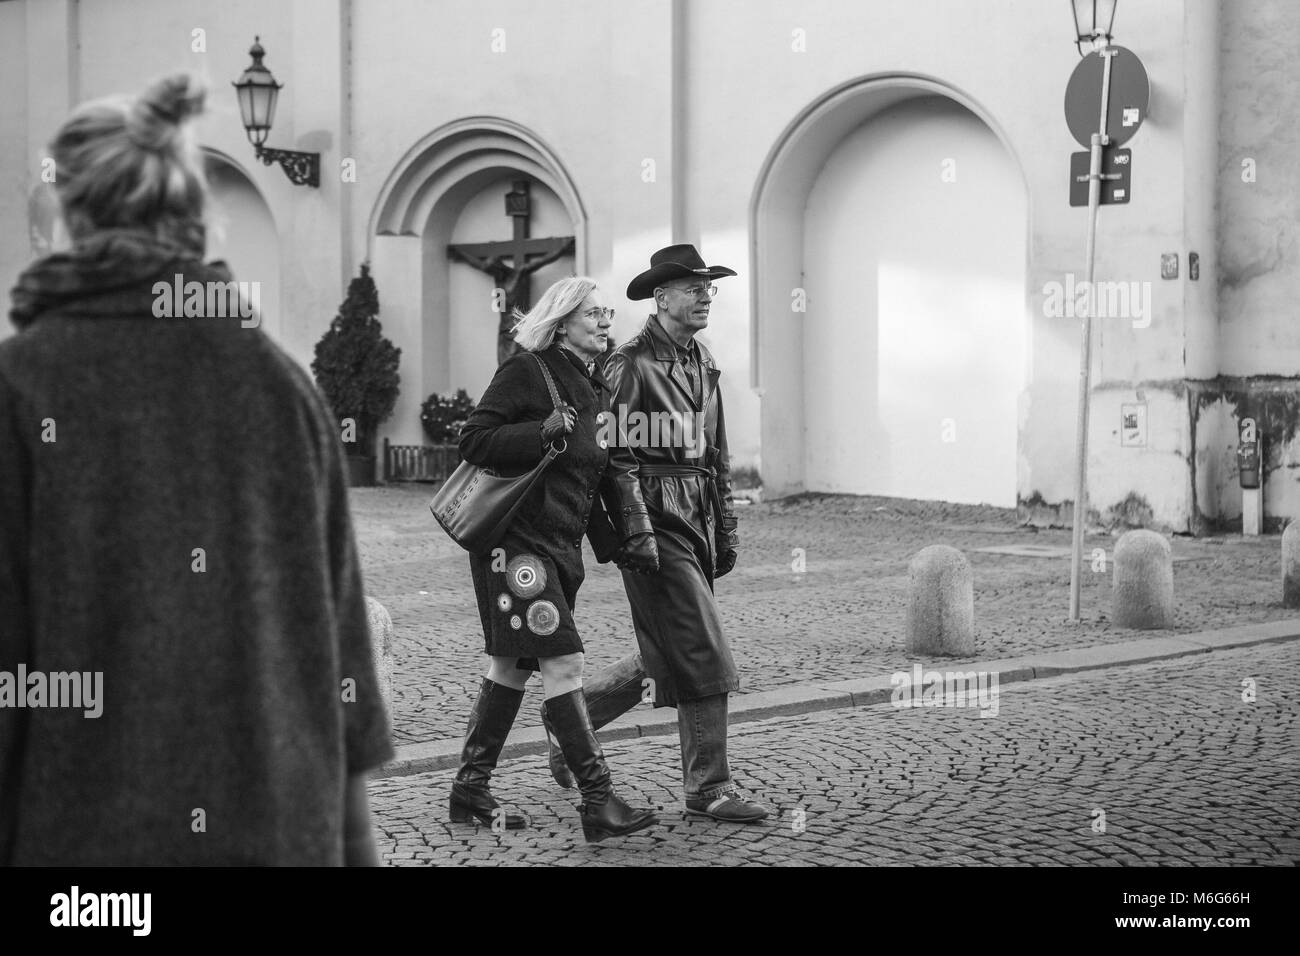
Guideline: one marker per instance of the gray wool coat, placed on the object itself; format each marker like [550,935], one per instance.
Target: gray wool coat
[174,518]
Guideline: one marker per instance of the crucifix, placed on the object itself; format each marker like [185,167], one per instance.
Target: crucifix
[524,255]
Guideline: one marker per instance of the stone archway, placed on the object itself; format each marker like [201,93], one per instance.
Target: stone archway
[414,217]
[242,231]
[847,397]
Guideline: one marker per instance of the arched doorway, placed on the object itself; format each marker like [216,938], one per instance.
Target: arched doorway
[242,232]
[471,319]
[891,325]
[449,188]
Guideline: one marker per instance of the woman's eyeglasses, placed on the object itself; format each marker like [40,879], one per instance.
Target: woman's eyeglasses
[602,313]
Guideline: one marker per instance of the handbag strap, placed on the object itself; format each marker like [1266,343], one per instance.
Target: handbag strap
[551,450]
[550,382]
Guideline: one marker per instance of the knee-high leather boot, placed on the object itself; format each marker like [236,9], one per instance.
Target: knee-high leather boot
[603,813]
[489,724]
[609,694]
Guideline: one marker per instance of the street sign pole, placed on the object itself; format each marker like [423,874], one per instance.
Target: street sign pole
[1099,139]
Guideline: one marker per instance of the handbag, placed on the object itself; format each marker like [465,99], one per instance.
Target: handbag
[475,505]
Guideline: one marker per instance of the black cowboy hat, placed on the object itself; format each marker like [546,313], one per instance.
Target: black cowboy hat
[674,262]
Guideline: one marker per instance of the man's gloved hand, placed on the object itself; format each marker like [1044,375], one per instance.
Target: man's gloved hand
[725,543]
[639,554]
[559,422]
[725,562]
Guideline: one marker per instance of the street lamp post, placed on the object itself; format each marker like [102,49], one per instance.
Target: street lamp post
[258,91]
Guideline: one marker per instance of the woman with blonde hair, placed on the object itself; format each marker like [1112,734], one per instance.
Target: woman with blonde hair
[174,534]
[526,595]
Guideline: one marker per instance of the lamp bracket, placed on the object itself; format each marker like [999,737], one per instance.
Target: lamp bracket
[303,169]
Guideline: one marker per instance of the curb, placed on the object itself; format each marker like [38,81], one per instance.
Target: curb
[864,691]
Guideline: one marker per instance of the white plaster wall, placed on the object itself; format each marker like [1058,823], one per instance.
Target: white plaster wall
[396,264]
[1156,474]
[1259,222]
[757,62]
[64,53]
[595,85]
[19,183]
[1216,461]
[1203,26]
[1258,248]
[1218,483]
[605,89]
[915,334]
[121,53]
[242,233]
[417,68]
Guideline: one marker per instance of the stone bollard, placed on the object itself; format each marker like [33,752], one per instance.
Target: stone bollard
[381,647]
[1291,565]
[940,603]
[1143,592]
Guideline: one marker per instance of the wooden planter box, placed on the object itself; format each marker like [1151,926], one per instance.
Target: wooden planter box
[419,462]
[361,471]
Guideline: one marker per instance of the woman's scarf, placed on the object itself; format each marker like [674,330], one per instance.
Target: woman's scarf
[108,261]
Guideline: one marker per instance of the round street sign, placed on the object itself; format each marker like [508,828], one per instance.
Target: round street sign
[1129,94]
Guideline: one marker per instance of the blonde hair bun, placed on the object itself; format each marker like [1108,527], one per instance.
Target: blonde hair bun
[134,163]
[155,119]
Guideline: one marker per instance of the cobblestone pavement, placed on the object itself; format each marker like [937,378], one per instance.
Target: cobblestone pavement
[841,618]
[1185,771]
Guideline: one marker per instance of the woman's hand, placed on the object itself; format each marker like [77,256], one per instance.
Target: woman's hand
[559,422]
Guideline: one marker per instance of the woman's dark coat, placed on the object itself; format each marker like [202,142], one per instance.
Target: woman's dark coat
[527,588]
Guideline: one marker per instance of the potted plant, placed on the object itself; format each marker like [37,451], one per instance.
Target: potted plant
[356,369]
[442,416]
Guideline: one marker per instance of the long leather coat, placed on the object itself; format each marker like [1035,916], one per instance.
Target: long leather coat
[677,623]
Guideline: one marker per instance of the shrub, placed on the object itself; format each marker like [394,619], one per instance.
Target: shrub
[355,366]
[443,415]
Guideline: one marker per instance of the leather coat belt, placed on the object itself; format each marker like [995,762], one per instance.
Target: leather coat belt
[687,471]
[675,471]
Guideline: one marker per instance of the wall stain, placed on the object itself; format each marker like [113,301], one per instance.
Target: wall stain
[1273,400]
[1133,511]
[1037,512]
[1233,274]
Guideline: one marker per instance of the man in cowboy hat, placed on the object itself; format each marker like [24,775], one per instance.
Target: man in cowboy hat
[668,377]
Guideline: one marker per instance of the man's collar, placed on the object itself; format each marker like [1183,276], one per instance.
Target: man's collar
[666,350]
